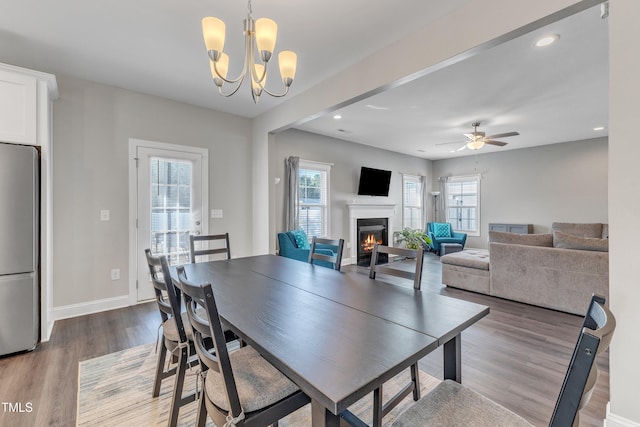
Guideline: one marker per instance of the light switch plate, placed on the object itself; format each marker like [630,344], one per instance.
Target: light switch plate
[216,213]
[105,215]
[115,274]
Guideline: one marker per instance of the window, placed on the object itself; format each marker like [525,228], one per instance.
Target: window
[314,198]
[412,202]
[463,203]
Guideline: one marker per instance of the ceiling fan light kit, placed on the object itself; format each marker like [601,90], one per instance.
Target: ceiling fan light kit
[259,34]
[477,139]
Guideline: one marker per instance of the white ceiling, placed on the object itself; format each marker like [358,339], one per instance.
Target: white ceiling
[155,46]
[549,95]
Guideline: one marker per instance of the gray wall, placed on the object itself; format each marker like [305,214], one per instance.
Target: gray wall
[561,182]
[347,158]
[92,124]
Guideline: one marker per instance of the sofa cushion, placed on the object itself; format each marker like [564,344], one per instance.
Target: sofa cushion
[569,241]
[545,240]
[442,229]
[301,239]
[578,229]
[472,258]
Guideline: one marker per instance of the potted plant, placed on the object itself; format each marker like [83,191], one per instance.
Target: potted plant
[413,239]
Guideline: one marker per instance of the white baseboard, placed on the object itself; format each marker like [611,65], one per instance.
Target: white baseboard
[81,309]
[614,420]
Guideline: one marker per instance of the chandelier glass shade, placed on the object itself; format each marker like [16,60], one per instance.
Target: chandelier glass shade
[260,40]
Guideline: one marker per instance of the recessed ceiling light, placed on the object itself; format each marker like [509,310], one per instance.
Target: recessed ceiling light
[599,128]
[547,40]
[337,117]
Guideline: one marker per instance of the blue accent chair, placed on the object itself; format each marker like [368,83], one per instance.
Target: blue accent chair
[454,237]
[290,249]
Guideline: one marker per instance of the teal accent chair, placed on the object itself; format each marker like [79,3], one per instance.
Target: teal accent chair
[290,249]
[454,237]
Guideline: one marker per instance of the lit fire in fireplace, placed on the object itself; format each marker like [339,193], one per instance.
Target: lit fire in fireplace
[367,244]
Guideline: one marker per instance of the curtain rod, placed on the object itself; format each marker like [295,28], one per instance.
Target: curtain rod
[318,163]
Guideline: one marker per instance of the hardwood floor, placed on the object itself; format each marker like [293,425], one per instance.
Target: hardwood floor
[517,356]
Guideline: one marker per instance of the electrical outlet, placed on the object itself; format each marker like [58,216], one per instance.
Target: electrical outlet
[216,213]
[115,274]
[105,215]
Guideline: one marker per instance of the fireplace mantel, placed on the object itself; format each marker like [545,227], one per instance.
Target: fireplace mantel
[367,210]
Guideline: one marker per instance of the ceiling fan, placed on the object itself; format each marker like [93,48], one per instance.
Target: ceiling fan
[476,140]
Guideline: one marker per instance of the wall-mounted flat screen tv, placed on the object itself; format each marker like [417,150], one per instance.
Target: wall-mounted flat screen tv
[374,182]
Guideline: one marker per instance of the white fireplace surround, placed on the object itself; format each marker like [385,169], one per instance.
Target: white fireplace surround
[361,211]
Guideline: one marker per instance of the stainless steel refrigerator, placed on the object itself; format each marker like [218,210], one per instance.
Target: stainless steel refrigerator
[19,248]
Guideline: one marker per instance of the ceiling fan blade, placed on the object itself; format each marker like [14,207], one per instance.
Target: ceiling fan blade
[503,135]
[468,135]
[454,142]
[492,142]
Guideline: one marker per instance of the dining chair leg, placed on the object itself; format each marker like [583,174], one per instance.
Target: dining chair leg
[176,402]
[377,407]
[159,370]
[201,418]
[415,379]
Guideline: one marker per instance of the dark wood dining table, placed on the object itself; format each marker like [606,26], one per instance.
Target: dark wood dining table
[338,336]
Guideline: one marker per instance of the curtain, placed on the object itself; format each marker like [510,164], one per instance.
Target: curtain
[292,167]
[425,205]
[441,205]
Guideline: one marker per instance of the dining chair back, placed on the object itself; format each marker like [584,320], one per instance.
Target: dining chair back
[471,408]
[241,387]
[380,408]
[580,379]
[176,334]
[415,275]
[220,241]
[332,244]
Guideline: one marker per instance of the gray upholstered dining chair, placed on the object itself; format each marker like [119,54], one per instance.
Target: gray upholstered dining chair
[451,404]
[240,388]
[335,258]
[415,275]
[176,335]
[222,246]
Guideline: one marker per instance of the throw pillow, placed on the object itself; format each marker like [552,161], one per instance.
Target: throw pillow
[545,240]
[441,229]
[569,241]
[579,229]
[301,239]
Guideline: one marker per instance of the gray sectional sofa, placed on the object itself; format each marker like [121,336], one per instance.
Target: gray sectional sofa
[559,270]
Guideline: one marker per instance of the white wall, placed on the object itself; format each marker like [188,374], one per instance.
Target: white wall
[92,124]
[624,211]
[347,158]
[561,182]
[400,64]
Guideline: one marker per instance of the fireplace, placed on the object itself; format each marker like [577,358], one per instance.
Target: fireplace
[369,232]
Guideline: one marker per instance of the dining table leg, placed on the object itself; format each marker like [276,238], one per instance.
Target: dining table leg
[322,417]
[452,359]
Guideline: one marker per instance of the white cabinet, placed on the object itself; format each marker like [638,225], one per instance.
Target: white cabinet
[26,98]
[18,104]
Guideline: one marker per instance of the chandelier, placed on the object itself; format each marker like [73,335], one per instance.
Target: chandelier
[259,34]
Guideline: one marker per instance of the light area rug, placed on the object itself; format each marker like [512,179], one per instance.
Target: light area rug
[115,390]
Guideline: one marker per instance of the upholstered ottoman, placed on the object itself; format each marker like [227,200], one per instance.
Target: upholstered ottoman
[449,248]
[468,270]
